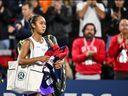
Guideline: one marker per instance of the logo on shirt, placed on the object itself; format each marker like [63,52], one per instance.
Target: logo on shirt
[88,48]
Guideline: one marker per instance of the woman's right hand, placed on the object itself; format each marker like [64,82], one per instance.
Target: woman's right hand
[44,58]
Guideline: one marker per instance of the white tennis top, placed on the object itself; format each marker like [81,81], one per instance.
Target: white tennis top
[38,49]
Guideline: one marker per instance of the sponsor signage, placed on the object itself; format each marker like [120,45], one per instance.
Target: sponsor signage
[86,88]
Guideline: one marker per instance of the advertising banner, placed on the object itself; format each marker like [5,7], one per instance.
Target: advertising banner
[85,88]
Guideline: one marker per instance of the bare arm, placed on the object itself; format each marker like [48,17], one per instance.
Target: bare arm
[24,53]
[69,73]
[99,12]
[84,10]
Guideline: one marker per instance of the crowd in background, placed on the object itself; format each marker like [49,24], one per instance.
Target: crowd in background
[65,20]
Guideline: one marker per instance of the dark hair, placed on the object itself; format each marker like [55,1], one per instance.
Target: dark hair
[32,20]
[85,26]
[29,5]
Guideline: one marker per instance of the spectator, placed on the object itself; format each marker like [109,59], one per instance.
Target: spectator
[37,8]
[58,17]
[22,27]
[118,51]
[15,7]
[117,12]
[88,53]
[91,11]
[5,17]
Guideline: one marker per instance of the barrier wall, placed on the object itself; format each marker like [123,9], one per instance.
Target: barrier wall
[86,88]
[97,88]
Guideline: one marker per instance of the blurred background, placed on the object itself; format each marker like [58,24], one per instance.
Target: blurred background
[63,21]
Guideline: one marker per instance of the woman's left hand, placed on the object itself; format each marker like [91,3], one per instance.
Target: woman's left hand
[58,64]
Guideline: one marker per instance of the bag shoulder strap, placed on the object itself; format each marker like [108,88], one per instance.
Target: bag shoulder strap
[21,43]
